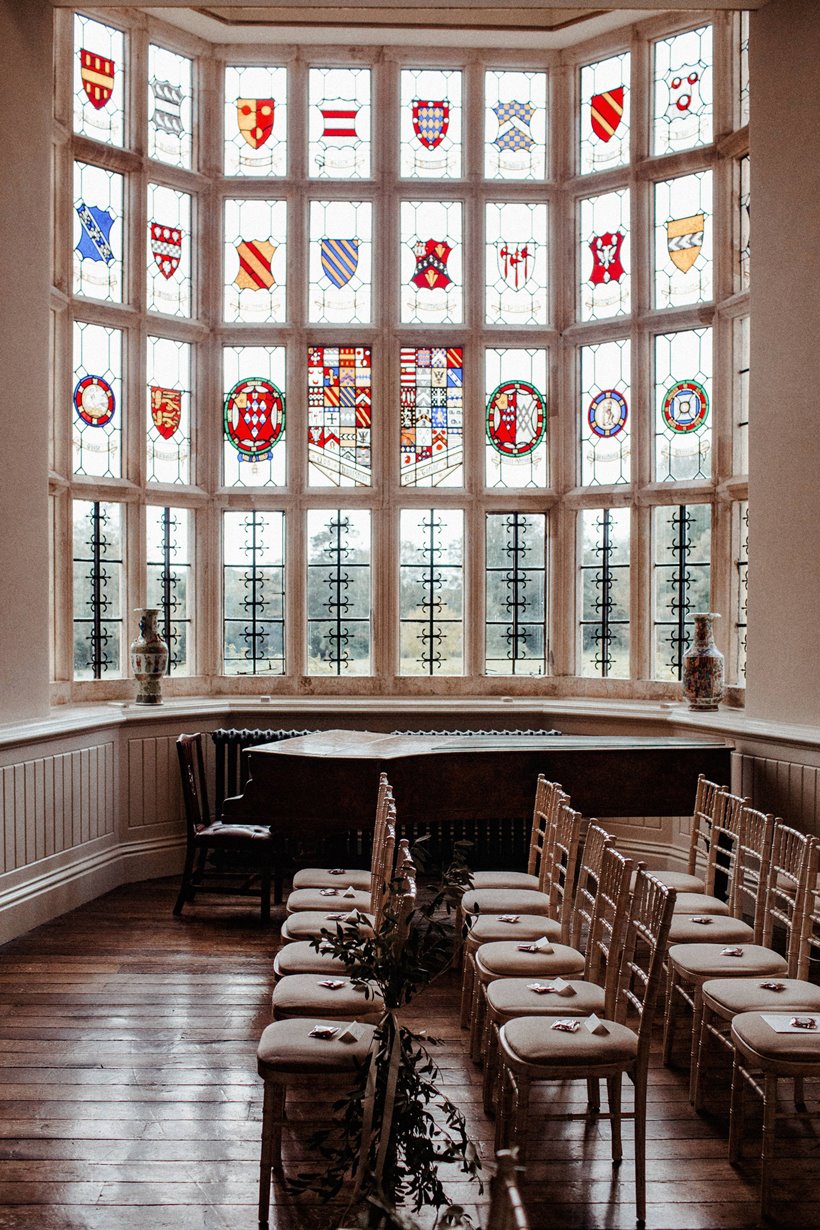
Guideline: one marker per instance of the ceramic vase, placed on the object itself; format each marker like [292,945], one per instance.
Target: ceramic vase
[149,658]
[703,666]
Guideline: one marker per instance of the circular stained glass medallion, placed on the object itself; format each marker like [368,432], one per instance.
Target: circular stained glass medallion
[516,418]
[94,401]
[685,407]
[608,413]
[254,417]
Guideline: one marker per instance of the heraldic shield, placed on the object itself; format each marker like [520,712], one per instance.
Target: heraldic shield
[430,121]
[606,258]
[684,239]
[516,418]
[431,265]
[255,256]
[166,245]
[514,119]
[340,259]
[97,76]
[606,112]
[515,264]
[255,119]
[166,410]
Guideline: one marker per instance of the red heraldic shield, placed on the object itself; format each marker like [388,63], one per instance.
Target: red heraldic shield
[606,112]
[255,119]
[431,265]
[166,410]
[166,245]
[430,121]
[97,75]
[606,258]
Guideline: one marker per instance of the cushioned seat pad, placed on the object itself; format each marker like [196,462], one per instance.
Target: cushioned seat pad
[758,1035]
[510,997]
[487,928]
[505,901]
[504,879]
[532,1040]
[303,995]
[309,924]
[699,903]
[233,834]
[286,1047]
[746,995]
[719,930]
[301,957]
[323,877]
[313,899]
[706,961]
[504,960]
[681,881]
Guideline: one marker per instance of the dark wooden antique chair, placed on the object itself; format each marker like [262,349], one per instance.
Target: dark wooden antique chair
[235,859]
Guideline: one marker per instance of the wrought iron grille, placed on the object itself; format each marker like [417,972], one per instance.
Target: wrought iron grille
[682,545]
[339,593]
[431,592]
[604,619]
[97,587]
[516,594]
[169,570]
[254,593]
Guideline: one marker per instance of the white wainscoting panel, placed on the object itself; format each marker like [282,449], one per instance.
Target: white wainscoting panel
[784,787]
[153,790]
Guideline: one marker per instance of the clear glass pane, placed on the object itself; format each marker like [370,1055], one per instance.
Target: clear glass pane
[98,578]
[743,67]
[339,123]
[682,554]
[515,125]
[432,413]
[431,592]
[170,127]
[604,255]
[255,261]
[168,541]
[683,91]
[515,446]
[256,119]
[169,251]
[97,401]
[98,229]
[99,81]
[169,410]
[430,123]
[431,262]
[604,116]
[604,413]
[603,627]
[254,453]
[338,592]
[740,544]
[516,263]
[744,224]
[683,240]
[683,395]
[515,593]
[340,399]
[740,347]
[341,262]
[253,580]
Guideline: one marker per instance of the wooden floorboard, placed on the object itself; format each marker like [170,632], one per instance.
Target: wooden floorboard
[129,1098]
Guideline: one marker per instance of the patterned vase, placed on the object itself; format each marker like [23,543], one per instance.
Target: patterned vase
[703,666]
[149,658]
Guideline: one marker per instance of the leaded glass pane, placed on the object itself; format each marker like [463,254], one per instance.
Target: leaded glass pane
[168,562]
[604,256]
[740,349]
[255,261]
[743,74]
[338,592]
[253,581]
[430,123]
[431,263]
[683,91]
[740,541]
[99,81]
[169,282]
[431,585]
[170,130]
[98,580]
[168,372]
[98,227]
[604,413]
[683,396]
[516,263]
[256,119]
[340,397]
[341,262]
[683,240]
[97,401]
[339,123]
[744,224]
[603,628]
[516,594]
[682,552]
[432,413]
[604,116]
[254,453]
[515,446]
[515,125]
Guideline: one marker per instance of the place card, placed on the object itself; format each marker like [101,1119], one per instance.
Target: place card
[731,952]
[349,891]
[332,984]
[543,945]
[567,1025]
[785,1023]
[352,1032]
[595,1025]
[326,1032]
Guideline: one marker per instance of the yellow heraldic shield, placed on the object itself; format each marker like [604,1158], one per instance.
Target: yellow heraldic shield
[255,119]
[684,239]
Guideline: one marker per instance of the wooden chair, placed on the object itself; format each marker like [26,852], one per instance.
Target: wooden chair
[543,817]
[507,1210]
[720,863]
[531,1050]
[694,879]
[331,877]
[229,859]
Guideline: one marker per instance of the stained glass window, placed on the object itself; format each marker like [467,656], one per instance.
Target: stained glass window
[740,552]
[682,553]
[169,410]
[96,409]
[256,119]
[98,586]
[168,559]
[338,592]
[254,452]
[432,415]
[430,123]
[604,257]
[170,128]
[683,396]
[340,398]
[515,124]
[339,123]
[683,91]
[604,114]
[255,261]
[431,587]
[604,599]
[516,263]
[744,223]
[740,350]
[604,413]
[431,262]
[341,262]
[515,446]
[98,226]
[683,240]
[253,597]
[743,67]
[169,251]
[99,80]
[516,594]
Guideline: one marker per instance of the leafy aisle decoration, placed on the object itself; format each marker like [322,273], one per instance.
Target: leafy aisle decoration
[396,1127]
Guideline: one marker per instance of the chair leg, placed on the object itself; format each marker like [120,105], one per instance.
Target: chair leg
[491,1068]
[697,1035]
[696,1082]
[640,1147]
[593,1095]
[669,1020]
[185,893]
[767,1153]
[502,1117]
[477,1019]
[521,1114]
[613,1094]
[736,1113]
[467,978]
[266,1160]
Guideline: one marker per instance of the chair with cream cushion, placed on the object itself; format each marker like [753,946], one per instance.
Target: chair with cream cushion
[694,878]
[543,819]
[358,878]
[532,1050]
[720,865]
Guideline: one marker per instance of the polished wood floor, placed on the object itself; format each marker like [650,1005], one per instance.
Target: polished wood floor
[130,1101]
